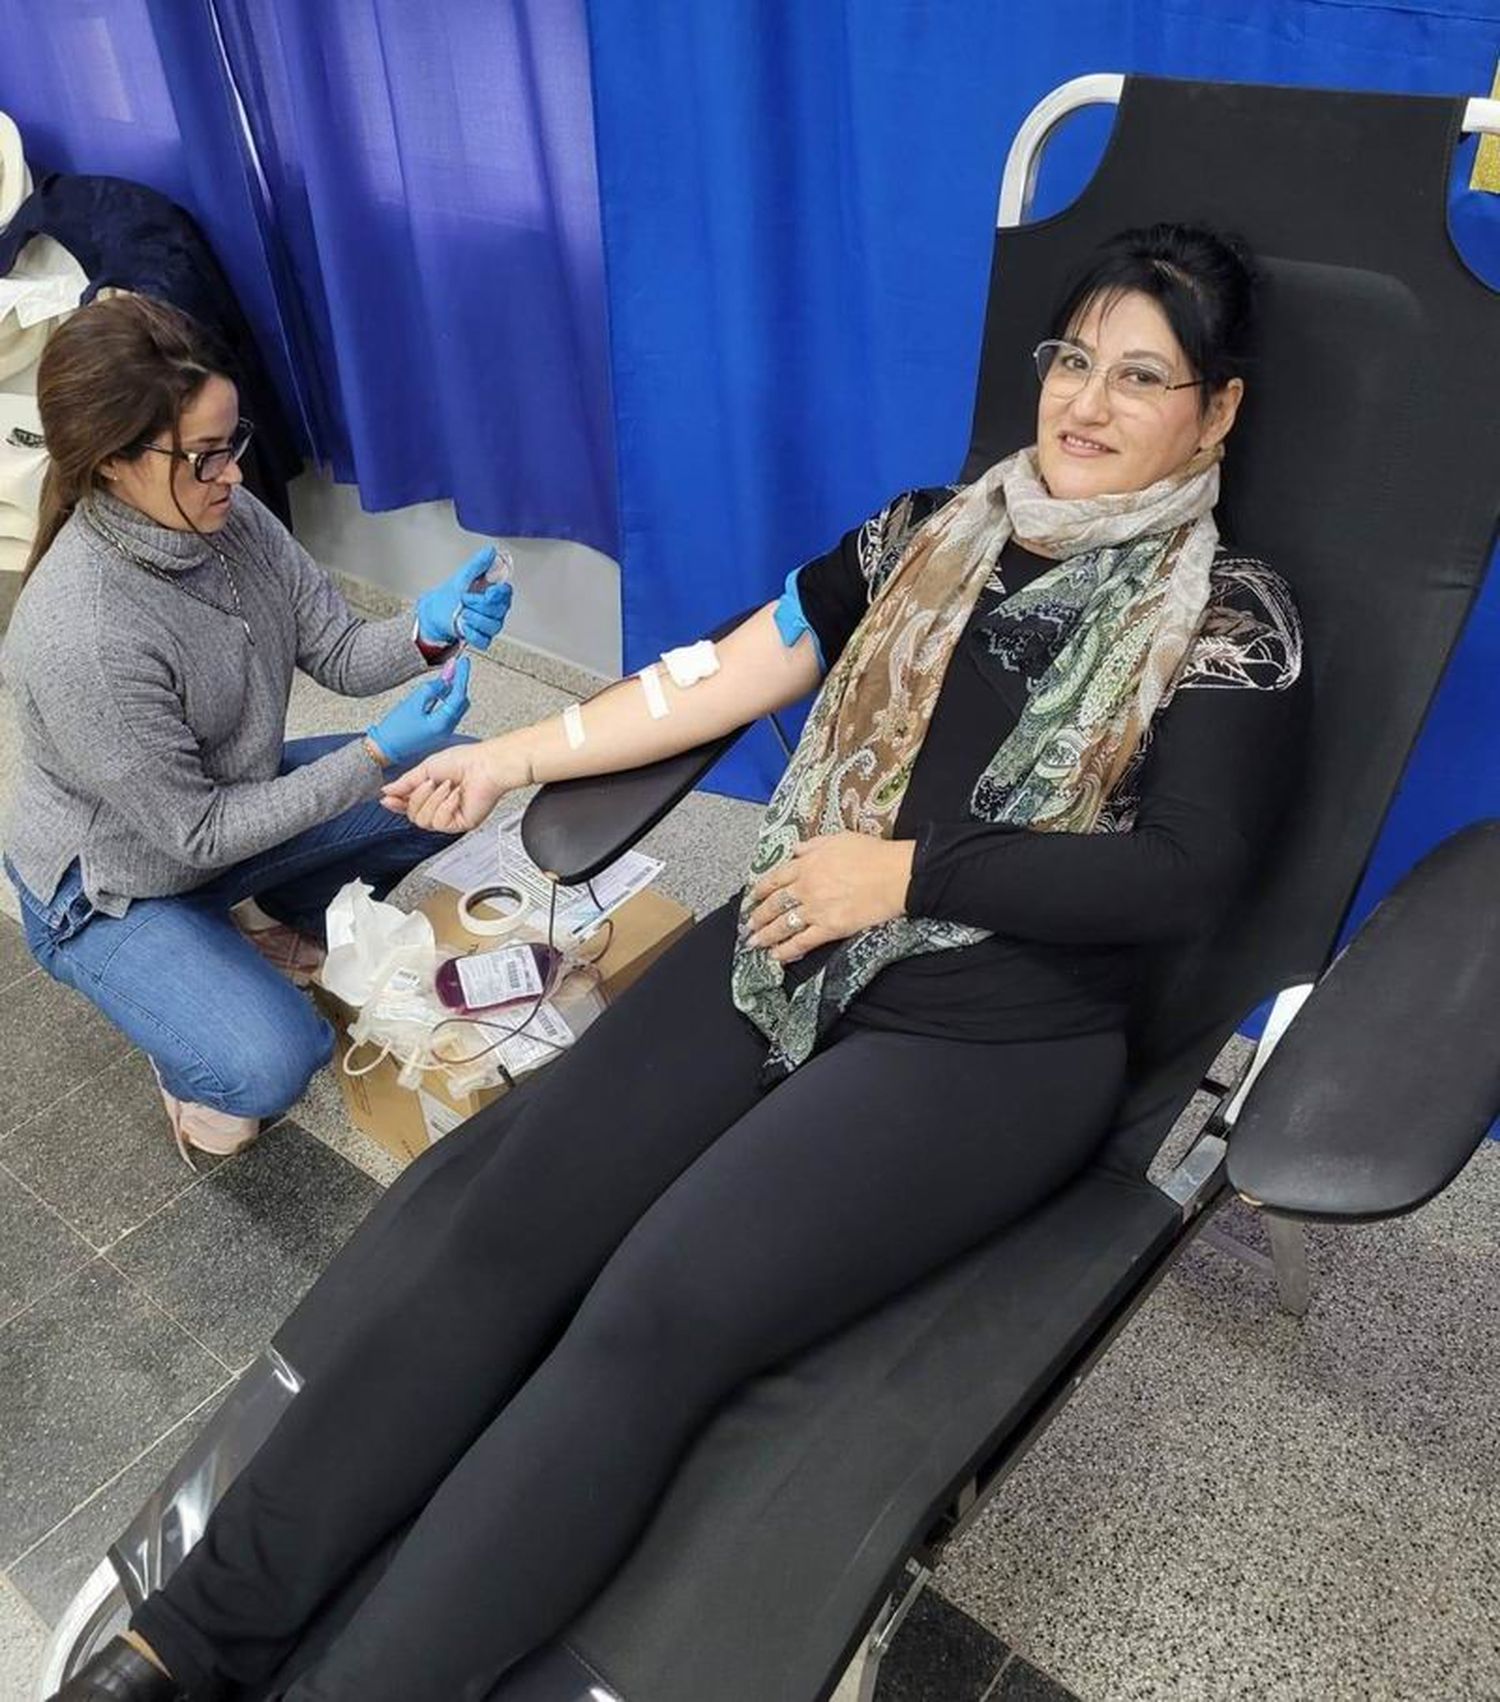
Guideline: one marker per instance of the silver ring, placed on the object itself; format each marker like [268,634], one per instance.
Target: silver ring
[787,900]
[794,922]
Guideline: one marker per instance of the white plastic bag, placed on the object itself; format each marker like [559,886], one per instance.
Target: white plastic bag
[366,939]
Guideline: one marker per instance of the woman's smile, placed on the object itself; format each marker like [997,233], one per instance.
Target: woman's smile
[1073,444]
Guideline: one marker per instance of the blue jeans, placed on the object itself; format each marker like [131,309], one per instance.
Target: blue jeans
[179,979]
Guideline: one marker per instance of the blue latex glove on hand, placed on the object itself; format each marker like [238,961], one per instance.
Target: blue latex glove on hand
[420,723]
[463,608]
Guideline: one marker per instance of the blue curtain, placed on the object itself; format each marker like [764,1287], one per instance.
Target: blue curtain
[798,203]
[798,207]
[430,177]
[414,236]
[135,88]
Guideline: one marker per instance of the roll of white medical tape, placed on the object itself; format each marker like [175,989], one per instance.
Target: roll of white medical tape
[492,926]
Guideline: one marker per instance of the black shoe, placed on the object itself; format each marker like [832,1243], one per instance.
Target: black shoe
[119,1673]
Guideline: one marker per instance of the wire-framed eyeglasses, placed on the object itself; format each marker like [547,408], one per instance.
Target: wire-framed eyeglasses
[1065,370]
[209,464]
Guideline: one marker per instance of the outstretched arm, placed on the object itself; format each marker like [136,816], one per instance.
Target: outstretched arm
[757,673]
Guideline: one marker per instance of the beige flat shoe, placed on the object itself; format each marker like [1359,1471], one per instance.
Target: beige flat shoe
[296,956]
[202,1129]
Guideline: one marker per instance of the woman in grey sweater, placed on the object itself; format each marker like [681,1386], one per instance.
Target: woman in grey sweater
[151,658]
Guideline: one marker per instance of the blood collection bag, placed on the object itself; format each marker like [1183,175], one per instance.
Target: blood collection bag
[490,980]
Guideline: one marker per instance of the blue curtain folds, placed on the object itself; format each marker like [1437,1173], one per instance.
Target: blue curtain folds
[135,89]
[798,202]
[414,234]
[431,184]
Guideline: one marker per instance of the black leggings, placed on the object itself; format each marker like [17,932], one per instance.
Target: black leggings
[652,1230]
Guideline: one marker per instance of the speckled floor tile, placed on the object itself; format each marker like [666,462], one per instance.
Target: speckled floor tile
[16,961]
[379,603]
[37,1249]
[50,1573]
[939,1655]
[89,1376]
[233,1256]
[54,1040]
[1239,1505]
[498,698]
[321,1112]
[22,1640]
[1021,1682]
[103,1157]
[548,670]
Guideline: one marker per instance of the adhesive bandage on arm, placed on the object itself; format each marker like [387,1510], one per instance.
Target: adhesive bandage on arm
[573,726]
[656,698]
[685,666]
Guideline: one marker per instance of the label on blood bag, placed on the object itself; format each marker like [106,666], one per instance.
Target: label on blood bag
[498,977]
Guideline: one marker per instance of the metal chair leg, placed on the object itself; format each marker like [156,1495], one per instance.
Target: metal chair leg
[1289,1256]
[863,1672]
[1287,1264]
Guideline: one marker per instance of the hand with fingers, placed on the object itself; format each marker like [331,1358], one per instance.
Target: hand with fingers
[830,888]
[423,719]
[466,606]
[456,789]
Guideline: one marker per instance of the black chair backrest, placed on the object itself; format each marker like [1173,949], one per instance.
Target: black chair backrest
[1363,468]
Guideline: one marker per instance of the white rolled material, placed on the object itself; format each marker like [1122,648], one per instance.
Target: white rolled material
[492,926]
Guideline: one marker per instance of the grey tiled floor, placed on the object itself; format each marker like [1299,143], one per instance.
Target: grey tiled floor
[131,1289]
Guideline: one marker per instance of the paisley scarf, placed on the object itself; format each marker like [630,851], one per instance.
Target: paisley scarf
[1130,588]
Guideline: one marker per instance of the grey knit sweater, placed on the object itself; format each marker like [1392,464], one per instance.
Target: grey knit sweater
[152,726]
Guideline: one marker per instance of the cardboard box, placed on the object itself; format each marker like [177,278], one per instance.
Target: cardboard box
[406,1121]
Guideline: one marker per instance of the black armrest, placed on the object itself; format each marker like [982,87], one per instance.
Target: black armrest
[575,828]
[1389,1077]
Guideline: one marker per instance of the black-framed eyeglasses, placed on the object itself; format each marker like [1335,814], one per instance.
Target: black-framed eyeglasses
[208,464]
[1065,370]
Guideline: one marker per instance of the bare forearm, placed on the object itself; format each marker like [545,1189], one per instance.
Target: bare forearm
[617,730]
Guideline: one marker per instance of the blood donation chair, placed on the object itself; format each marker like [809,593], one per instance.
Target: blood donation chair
[815,1504]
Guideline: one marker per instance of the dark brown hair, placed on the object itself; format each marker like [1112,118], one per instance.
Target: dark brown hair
[115,375]
[1203,280]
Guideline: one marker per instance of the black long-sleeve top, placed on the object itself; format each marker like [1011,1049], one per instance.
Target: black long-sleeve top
[1070,912]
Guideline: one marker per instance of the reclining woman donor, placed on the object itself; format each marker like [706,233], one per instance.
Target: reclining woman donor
[151,657]
[1054,728]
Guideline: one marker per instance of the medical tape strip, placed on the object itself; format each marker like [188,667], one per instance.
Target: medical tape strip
[573,726]
[691,662]
[492,925]
[656,698]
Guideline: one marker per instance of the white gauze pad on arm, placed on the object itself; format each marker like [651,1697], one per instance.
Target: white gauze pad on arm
[691,663]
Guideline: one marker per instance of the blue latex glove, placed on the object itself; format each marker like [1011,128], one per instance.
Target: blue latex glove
[463,608]
[421,722]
